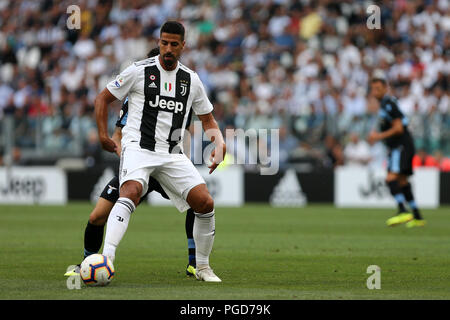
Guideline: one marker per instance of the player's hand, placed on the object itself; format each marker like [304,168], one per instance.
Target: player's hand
[217,156]
[118,149]
[118,146]
[373,137]
[108,144]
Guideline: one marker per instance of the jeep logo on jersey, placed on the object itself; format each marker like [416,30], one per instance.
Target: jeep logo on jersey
[167,104]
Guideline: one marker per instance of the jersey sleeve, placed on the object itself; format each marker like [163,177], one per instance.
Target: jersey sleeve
[200,103]
[393,110]
[123,83]
[122,120]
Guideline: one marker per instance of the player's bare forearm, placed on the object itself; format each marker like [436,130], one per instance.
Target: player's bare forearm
[117,138]
[101,111]
[211,128]
[213,132]
[396,129]
[102,101]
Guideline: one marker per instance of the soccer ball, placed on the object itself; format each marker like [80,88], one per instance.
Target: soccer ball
[97,270]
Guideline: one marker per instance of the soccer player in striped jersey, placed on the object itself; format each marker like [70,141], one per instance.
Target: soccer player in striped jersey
[93,234]
[162,93]
[395,134]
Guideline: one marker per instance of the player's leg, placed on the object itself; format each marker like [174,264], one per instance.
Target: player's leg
[402,216]
[396,192]
[100,218]
[407,192]
[406,171]
[154,185]
[186,188]
[93,234]
[204,231]
[117,224]
[394,168]
[189,226]
[134,172]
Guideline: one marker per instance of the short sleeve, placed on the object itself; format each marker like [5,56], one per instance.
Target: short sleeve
[122,120]
[200,103]
[393,110]
[123,84]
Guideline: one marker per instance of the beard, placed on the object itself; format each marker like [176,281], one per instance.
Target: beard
[169,60]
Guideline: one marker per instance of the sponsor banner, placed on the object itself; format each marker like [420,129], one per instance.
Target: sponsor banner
[445,188]
[97,189]
[362,187]
[88,184]
[288,192]
[289,188]
[226,186]
[33,185]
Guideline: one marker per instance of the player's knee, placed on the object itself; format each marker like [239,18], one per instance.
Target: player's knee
[206,205]
[97,219]
[209,205]
[131,190]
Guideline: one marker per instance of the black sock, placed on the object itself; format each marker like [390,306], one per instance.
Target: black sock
[93,238]
[397,194]
[190,217]
[409,197]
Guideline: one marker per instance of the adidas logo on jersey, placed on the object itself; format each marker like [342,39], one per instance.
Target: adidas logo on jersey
[166,104]
[152,85]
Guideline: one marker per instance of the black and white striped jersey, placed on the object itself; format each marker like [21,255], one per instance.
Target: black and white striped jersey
[160,103]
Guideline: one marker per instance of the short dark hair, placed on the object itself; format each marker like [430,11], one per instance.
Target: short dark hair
[173,27]
[153,53]
[382,80]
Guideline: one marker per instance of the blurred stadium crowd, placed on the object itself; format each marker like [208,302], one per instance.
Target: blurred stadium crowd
[300,66]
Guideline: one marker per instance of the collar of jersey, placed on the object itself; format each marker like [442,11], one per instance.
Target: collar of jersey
[385,97]
[158,64]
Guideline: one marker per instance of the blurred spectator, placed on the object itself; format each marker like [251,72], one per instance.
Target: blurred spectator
[6,93]
[377,156]
[92,149]
[37,107]
[17,158]
[288,143]
[72,77]
[303,65]
[356,152]
[334,154]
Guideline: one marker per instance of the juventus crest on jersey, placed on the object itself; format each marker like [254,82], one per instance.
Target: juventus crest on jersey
[160,103]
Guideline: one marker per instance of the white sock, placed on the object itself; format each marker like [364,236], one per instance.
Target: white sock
[117,225]
[204,231]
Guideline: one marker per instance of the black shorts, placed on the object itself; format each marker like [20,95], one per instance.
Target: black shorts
[111,190]
[400,159]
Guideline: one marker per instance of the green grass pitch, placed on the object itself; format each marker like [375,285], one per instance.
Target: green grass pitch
[316,252]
